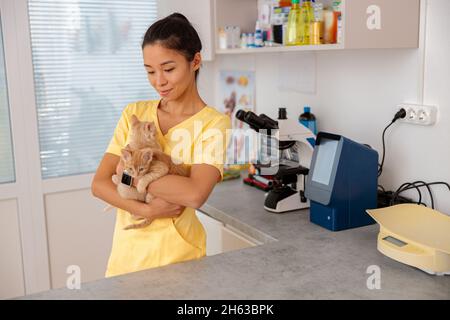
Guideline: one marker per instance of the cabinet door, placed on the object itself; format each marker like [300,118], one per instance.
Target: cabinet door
[221,238]
[232,240]
[213,229]
[200,14]
[79,234]
[381,23]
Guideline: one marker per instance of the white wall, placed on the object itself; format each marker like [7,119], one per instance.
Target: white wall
[356,95]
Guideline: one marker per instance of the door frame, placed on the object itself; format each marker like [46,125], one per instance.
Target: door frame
[27,190]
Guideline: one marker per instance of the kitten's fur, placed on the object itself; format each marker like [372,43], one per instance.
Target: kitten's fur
[143,135]
[144,159]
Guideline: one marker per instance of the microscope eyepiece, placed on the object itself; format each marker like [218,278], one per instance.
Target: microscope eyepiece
[240,115]
[269,121]
[282,115]
[256,122]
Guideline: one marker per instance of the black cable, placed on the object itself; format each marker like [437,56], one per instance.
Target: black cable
[380,167]
[391,198]
[399,115]
[427,185]
[400,189]
[423,184]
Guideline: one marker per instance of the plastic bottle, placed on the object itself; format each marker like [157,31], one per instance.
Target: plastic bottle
[250,40]
[222,39]
[306,19]
[317,27]
[308,120]
[243,41]
[258,35]
[293,25]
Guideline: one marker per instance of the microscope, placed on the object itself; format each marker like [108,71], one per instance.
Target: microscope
[285,149]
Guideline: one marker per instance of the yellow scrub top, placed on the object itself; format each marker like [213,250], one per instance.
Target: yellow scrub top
[202,138]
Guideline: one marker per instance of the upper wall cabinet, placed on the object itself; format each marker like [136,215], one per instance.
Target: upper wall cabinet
[364,23]
[381,23]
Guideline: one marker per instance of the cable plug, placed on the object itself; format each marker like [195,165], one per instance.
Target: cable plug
[399,115]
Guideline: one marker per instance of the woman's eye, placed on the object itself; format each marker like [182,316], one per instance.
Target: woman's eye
[169,70]
[150,72]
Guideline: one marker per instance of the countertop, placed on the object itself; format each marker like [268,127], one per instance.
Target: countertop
[297,260]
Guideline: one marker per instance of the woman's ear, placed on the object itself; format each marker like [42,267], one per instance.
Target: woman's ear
[197,61]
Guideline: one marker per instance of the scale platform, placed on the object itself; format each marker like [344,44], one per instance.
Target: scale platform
[415,235]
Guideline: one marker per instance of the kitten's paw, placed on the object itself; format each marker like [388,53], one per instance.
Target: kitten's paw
[148,198]
[142,186]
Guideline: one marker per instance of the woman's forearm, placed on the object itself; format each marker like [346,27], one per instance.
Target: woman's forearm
[107,191]
[179,190]
[157,208]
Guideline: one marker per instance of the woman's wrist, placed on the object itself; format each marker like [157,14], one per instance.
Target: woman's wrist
[140,208]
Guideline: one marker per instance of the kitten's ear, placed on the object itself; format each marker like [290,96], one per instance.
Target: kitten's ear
[147,155]
[134,120]
[126,154]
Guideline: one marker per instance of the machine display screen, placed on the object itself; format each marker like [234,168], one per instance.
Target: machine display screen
[398,243]
[325,158]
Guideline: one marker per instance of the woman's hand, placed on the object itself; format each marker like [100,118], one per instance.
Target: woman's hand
[119,169]
[159,208]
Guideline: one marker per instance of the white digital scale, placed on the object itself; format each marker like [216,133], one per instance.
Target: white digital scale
[415,235]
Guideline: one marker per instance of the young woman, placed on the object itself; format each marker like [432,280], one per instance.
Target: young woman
[171,51]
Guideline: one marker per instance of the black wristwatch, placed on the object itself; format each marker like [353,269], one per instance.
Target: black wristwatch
[127,179]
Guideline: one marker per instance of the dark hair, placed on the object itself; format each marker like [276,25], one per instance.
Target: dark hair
[177,33]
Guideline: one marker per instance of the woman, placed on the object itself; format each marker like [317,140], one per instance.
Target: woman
[171,52]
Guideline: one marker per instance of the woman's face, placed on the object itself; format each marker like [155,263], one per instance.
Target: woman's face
[168,71]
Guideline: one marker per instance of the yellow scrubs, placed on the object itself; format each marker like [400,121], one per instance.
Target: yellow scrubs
[203,139]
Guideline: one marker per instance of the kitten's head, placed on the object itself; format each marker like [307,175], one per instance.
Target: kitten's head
[142,130]
[137,162]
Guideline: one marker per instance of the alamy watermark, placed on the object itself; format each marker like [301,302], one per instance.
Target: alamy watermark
[374,280]
[74,279]
[230,146]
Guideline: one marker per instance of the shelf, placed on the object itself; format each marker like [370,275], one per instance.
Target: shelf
[281,49]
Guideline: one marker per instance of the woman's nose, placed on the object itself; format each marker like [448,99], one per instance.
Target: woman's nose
[161,80]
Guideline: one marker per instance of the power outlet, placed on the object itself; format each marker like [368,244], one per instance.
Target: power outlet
[418,114]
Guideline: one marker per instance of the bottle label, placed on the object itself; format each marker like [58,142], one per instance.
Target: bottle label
[311,125]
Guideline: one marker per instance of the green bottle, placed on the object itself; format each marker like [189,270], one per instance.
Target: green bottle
[306,19]
[293,27]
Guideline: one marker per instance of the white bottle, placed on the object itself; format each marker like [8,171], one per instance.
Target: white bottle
[258,35]
[229,34]
[250,40]
[243,41]
[222,39]
[236,37]
[339,30]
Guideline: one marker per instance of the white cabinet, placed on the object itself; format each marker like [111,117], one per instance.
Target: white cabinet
[221,238]
[365,24]
[381,23]
[79,234]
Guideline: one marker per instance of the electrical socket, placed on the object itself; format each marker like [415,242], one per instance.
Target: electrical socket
[419,114]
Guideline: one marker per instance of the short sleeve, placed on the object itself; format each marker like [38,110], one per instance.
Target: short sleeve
[118,141]
[215,139]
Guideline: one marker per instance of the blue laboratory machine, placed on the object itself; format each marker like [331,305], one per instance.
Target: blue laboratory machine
[342,183]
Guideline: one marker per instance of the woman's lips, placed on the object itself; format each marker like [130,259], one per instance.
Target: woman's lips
[165,93]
